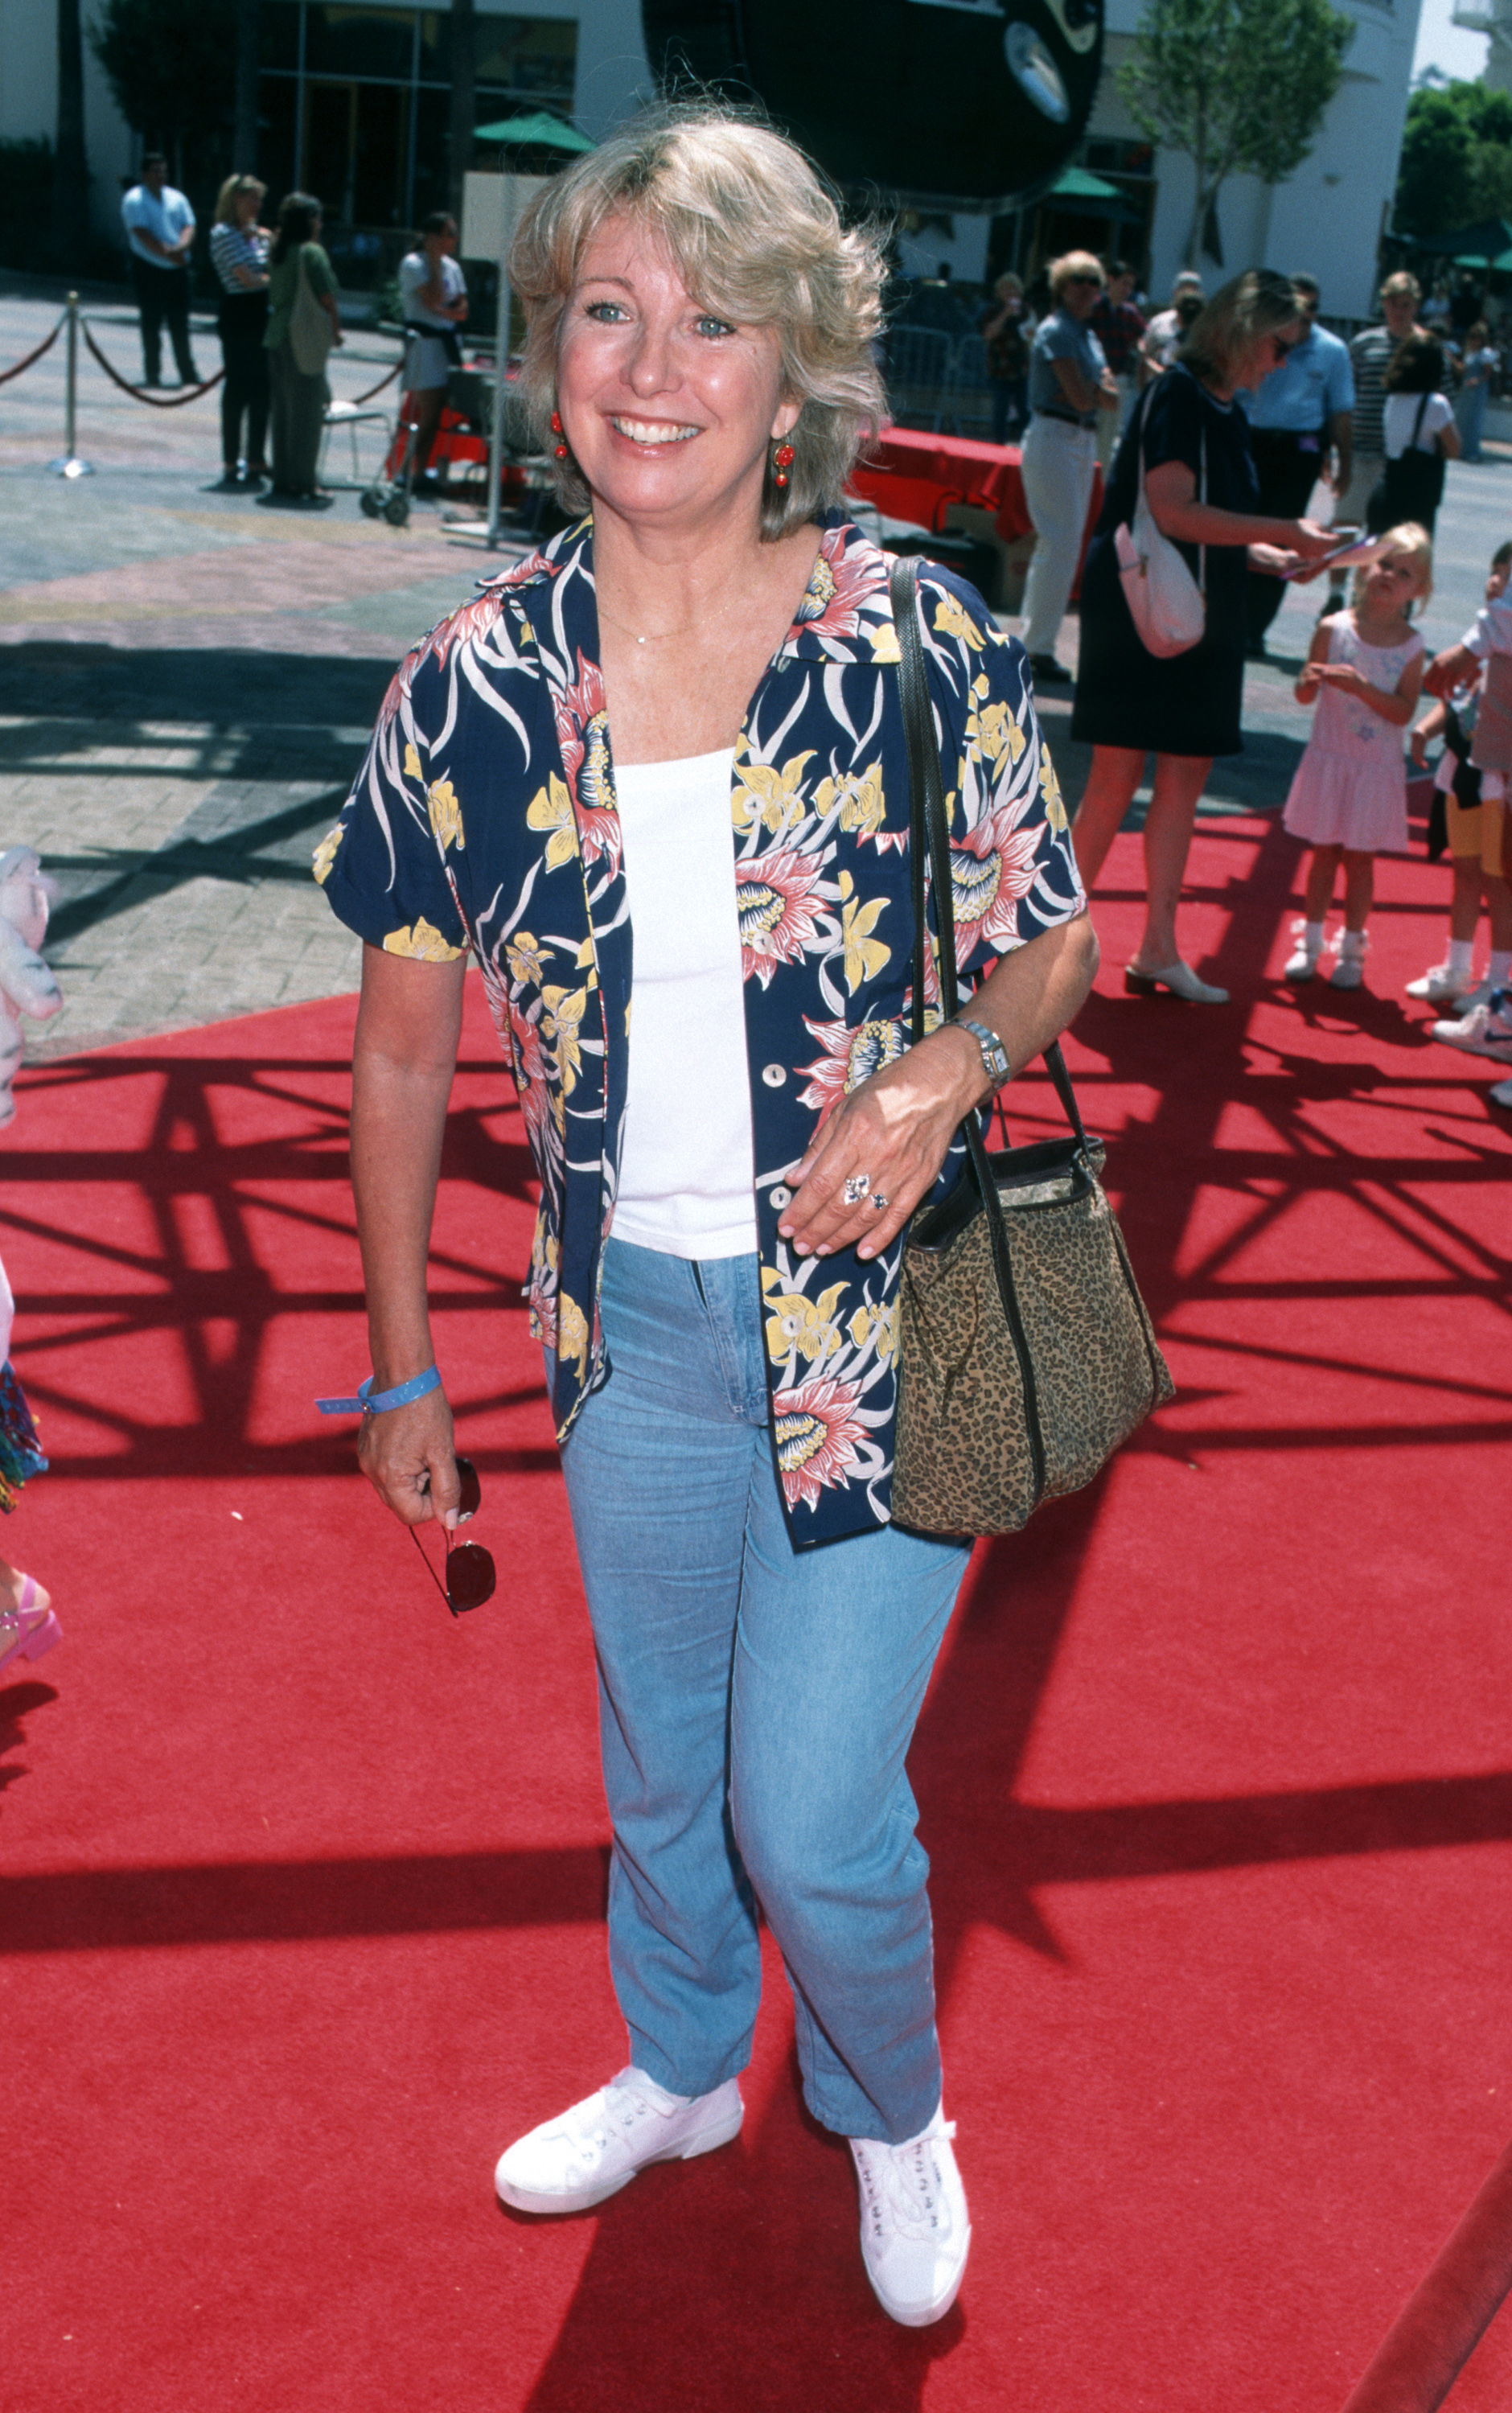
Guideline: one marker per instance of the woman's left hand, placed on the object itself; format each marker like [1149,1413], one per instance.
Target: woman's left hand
[1276,562]
[893,1133]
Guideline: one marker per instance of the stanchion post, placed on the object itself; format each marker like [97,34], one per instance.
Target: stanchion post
[68,463]
[491,209]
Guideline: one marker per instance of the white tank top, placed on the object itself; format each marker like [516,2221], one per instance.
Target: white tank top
[687,1182]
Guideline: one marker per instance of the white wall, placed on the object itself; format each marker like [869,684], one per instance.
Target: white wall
[1327,218]
[613,74]
[29,102]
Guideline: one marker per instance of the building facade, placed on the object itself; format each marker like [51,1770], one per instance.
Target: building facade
[354,106]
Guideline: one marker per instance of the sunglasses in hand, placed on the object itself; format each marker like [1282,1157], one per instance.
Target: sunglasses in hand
[469,1570]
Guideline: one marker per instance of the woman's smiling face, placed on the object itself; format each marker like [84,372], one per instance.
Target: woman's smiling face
[669,409]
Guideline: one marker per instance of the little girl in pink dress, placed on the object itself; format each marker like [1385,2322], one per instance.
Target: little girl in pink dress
[1349,797]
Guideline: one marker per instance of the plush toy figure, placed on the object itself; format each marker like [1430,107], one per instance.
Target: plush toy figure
[27,1625]
[26,983]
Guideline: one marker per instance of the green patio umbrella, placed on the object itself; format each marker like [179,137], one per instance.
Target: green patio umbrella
[1079,185]
[540,130]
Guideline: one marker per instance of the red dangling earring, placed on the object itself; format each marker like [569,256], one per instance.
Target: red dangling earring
[557,430]
[783,460]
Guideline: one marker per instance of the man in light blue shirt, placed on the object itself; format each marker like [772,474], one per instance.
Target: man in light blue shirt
[1300,430]
[159,227]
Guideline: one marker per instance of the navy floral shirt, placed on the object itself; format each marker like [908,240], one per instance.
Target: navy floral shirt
[483,818]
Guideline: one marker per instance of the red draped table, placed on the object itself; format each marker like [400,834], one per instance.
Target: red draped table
[910,474]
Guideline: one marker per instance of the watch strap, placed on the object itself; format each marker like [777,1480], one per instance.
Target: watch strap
[994,1054]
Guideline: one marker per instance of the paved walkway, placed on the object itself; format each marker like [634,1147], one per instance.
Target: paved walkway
[187,679]
[186,684]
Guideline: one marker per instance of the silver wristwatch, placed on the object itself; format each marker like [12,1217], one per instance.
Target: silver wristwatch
[994,1054]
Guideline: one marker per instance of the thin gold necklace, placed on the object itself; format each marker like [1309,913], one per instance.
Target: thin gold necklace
[661,636]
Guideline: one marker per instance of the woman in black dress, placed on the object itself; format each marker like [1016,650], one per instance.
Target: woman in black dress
[1184,709]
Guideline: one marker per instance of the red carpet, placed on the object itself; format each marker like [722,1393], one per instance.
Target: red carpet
[300,1916]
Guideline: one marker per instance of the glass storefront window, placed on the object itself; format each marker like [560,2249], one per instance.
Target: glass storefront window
[534,56]
[366,124]
[279,33]
[342,40]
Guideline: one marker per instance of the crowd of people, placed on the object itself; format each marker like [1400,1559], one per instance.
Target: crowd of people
[279,321]
[1367,428]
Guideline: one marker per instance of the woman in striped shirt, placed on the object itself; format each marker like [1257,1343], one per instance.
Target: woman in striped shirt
[239,248]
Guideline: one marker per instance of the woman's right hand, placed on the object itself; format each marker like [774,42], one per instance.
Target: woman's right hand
[1306,538]
[408,1455]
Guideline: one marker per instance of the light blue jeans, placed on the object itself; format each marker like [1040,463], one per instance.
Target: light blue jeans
[756,1708]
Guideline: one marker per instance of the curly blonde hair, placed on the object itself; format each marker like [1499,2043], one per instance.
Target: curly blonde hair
[755,235]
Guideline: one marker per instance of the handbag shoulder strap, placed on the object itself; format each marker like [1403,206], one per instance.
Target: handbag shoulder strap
[1202,465]
[927,832]
[928,836]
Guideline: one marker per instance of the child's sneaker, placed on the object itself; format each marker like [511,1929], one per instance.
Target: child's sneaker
[1303,960]
[1442,986]
[1500,1093]
[1480,995]
[1349,964]
[1486,1031]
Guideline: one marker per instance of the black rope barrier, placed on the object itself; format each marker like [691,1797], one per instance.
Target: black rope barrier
[359,398]
[45,346]
[158,401]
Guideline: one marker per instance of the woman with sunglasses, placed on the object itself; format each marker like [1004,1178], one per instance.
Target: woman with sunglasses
[1069,385]
[657,778]
[1203,494]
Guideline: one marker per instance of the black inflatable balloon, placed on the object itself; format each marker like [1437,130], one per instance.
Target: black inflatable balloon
[972,103]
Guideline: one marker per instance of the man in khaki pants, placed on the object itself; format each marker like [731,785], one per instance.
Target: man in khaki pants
[1369,355]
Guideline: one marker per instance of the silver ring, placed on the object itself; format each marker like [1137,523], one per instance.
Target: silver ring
[856,1188]
[879,1202]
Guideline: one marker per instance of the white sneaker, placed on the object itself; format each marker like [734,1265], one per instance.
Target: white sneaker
[1500,1093]
[1441,987]
[1480,995]
[571,2163]
[915,2232]
[1348,971]
[1302,962]
[1485,1031]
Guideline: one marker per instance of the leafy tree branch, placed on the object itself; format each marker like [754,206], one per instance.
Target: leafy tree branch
[1240,85]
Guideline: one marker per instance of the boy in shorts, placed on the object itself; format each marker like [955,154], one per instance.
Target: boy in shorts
[1474,679]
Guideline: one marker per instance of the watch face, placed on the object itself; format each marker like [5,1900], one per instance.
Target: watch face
[978,103]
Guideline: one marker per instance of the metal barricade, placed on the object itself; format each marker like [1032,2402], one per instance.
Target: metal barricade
[966,405]
[918,375]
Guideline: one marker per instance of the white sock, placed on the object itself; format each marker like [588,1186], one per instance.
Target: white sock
[1460,952]
[1313,937]
[1351,942]
[1498,971]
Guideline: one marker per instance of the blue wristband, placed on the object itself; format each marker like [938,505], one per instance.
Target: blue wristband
[369,1402]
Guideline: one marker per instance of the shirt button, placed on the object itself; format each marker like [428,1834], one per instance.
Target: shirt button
[773,1075]
[782,1197]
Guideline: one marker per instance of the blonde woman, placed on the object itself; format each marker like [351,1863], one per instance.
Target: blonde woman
[1184,709]
[239,252]
[1069,385]
[662,764]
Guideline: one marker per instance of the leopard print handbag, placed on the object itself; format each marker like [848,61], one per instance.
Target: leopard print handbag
[1026,1353]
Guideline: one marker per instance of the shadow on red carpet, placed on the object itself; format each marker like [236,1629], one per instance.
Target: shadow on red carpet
[302,1887]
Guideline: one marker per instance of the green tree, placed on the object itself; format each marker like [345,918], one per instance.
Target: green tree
[1240,85]
[70,181]
[1455,159]
[171,65]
